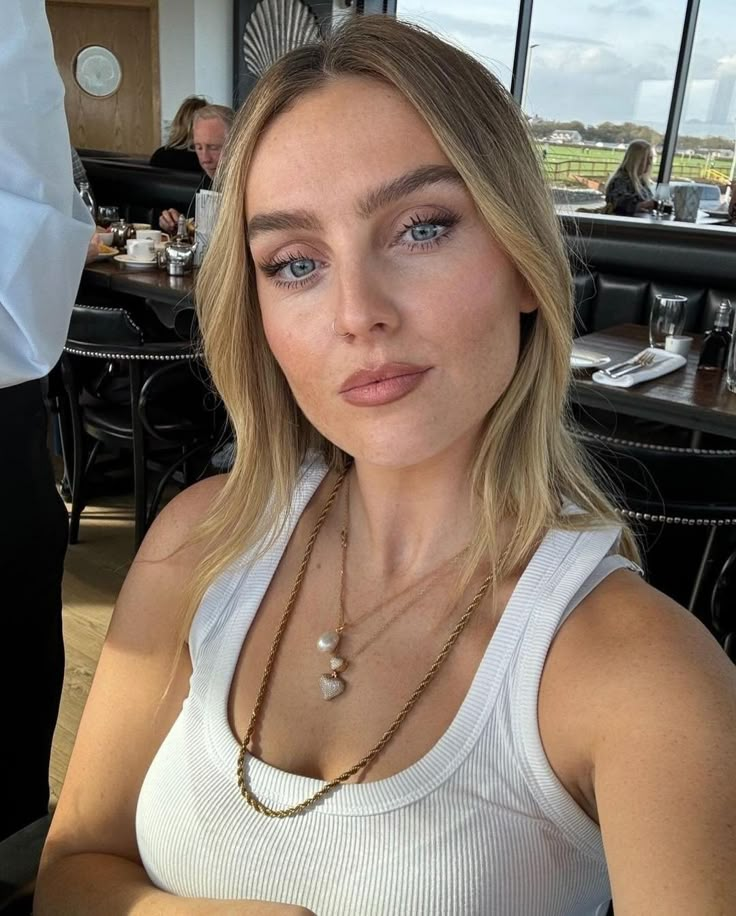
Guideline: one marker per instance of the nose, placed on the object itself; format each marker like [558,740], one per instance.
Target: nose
[364,305]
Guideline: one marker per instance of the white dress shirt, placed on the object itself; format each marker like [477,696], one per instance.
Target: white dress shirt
[44,227]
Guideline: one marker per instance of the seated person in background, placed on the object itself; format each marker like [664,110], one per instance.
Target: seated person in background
[628,190]
[178,152]
[517,723]
[78,169]
[210,130]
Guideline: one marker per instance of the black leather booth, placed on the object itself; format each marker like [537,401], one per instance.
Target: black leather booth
[139,190]
[620,265]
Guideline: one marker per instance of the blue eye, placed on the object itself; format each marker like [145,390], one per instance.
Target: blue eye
[301,268]
[424,232]
[290,270]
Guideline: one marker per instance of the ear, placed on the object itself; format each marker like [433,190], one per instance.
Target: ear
[527,302]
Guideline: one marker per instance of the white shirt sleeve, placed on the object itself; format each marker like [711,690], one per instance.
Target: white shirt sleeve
[44,227]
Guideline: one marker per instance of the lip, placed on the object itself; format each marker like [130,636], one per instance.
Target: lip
[387,383]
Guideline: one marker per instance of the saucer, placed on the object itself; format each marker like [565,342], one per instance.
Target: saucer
[135,263]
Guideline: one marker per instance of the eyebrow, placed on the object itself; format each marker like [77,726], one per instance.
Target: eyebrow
[387,193]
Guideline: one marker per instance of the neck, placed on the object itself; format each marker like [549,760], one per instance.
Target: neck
[405,522]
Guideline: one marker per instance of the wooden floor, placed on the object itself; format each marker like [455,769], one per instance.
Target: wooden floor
[94,571]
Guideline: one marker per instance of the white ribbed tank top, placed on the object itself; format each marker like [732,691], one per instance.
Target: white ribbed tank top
[480,825]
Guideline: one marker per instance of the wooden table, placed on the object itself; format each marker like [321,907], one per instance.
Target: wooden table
[167,295]
[695,400]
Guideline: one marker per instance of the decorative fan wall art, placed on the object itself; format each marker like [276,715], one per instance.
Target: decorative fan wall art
[277,26]
[267,29]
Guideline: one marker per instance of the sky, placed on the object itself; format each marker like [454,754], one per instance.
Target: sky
[602,60]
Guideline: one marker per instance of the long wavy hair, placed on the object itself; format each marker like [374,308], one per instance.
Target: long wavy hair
[527,466]
[636,164]
[180,132]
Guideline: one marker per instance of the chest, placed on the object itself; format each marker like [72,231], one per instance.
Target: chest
[388,675]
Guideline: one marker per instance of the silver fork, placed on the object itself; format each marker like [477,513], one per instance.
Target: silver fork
[640,361]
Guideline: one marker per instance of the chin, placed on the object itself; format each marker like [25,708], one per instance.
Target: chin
[402,450]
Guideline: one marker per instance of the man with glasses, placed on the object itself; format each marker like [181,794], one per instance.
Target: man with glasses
[210,129]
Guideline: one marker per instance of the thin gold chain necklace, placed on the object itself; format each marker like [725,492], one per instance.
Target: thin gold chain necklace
[250,798]
[333,685]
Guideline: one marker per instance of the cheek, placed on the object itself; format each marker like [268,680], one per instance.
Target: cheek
[299,355]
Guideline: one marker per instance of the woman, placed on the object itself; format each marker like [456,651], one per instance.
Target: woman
[628,190]
[177,153]
[422,676]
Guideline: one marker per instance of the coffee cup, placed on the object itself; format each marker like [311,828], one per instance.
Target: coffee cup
[156,235]
[674,343]
[106,238]
[140,249]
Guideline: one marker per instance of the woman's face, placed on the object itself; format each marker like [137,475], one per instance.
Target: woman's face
[359,226]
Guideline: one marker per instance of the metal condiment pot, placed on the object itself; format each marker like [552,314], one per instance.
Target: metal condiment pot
[177,258]
[121,232]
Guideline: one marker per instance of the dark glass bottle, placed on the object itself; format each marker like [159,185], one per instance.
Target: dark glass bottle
[85,192]
[717,340]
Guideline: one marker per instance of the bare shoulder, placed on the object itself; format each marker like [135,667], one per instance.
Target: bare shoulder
[161,573]
[174,526]
[637,711]
[627,641]
[626,627]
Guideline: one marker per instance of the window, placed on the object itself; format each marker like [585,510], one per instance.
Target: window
[600,74]
[707,134]
[486,30]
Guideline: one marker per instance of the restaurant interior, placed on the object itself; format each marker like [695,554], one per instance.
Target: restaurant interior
[133,418]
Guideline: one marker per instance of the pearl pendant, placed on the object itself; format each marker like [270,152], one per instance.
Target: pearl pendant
[328,641]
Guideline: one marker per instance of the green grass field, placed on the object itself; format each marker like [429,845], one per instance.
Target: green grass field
[566,165]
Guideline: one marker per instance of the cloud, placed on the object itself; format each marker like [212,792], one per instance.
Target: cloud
[628,7]
[726,65]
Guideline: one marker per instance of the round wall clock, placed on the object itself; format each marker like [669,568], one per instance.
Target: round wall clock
[97,71]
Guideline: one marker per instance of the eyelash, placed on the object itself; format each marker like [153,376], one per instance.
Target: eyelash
[445,219]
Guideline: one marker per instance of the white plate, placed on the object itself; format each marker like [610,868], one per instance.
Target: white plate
[104,256]
[135,263]
[588,359]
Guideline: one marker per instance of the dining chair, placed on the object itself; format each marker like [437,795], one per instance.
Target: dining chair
[682,504]
[20,854]
[167,418]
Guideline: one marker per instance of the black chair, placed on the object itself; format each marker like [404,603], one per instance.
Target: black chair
[20,854]
[682,503]
[723,606]
[164,413]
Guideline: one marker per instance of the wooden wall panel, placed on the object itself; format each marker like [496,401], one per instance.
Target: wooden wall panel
[128,120]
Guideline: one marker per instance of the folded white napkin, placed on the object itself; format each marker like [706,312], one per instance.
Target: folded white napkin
[664,362]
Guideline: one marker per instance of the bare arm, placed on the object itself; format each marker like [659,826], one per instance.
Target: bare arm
[90,863]
[651,705]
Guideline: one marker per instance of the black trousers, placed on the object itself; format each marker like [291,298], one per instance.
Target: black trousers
[33,537]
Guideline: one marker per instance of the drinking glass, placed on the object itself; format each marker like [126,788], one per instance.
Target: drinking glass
[731,366]
[106,216]
[667,317]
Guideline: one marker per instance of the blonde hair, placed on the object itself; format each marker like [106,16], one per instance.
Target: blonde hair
[527,465]
[180,132]
[634,164]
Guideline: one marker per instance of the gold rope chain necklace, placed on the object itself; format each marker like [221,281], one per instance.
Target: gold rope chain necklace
[250,798]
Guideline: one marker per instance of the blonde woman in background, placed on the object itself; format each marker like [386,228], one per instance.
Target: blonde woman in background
[416,671]
[178,152]
[629,190]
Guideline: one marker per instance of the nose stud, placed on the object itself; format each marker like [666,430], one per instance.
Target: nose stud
[336,332]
